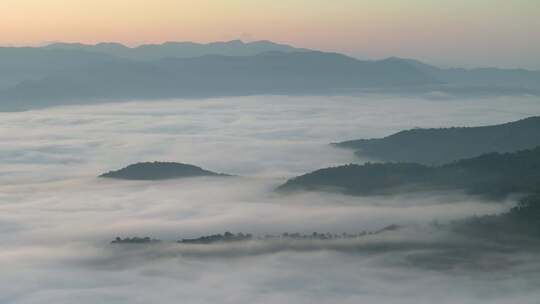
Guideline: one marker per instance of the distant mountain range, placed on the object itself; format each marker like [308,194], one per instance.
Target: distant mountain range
[18,64]
[477,77]
[439,146]
[62,73]
[209,76]
[159,171]
[494,175]
[148,52]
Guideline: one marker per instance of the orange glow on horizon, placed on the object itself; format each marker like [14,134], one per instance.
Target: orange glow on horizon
[425,29]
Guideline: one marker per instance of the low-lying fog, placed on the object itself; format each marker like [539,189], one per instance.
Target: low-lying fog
[57,218]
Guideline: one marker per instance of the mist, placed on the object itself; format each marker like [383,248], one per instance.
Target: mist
[57,218]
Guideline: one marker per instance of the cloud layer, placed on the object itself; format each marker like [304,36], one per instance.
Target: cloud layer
[56,217]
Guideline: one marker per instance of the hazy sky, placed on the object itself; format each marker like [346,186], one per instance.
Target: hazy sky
[456,32]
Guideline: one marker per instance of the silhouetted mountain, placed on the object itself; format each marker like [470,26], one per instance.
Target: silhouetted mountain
[18,64]
[477,77]
[467,83]
[207,76]
[178,49]
[75,73]
[438,146]
[493,175]
[159,171]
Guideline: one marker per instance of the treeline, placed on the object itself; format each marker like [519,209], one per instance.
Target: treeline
[443,145]
[522,220]
[134,240]
[237,237]
[214,238]
[493,175]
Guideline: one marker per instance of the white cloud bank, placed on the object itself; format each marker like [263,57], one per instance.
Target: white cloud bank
[56,218]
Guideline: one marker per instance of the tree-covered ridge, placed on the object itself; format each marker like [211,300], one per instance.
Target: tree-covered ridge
[439,146]
[371,178]
[522,220]
[492,174]
[159,171]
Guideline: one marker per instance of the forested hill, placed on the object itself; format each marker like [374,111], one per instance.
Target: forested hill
[159,171]
[493,175]
[439,146]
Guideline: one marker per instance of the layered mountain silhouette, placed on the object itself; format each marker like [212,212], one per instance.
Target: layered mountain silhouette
[178,49]
[494,175]
[159,171]
[62,73]
[209,76]
[18,64]
[477,78]
[439,146]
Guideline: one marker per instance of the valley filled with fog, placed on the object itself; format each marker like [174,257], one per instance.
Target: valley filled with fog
[57,218]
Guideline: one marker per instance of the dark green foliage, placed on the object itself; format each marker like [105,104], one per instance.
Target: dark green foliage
[494,175]
[231,237]
[216,238]
[360,179]
[158,171]
[134,240]
[439,146]
[523,220]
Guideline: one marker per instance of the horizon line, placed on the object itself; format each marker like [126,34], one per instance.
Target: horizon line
[247,42]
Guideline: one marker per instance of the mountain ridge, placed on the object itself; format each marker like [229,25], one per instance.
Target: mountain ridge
[178,49]
[494,175]
[209,76]
[63,74]
[432,146]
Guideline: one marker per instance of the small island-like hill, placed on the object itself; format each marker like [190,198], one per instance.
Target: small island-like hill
[159,171]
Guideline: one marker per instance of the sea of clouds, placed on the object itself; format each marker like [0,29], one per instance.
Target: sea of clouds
[57,218]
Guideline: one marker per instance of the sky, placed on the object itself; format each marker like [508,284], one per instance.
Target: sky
[449,33]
